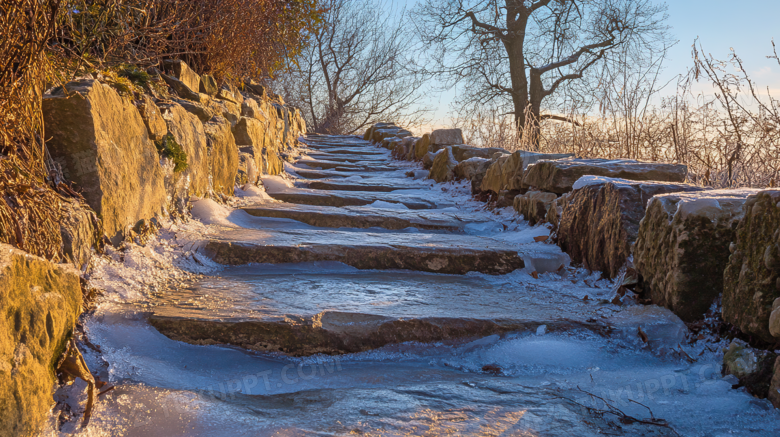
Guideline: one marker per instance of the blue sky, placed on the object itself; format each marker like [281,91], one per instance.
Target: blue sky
[748,26]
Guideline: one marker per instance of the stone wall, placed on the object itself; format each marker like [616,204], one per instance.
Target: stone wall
[126,153]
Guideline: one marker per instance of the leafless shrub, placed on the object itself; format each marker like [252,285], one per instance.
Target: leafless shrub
[355,72]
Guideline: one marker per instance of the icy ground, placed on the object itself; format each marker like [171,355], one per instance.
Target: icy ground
[574,382]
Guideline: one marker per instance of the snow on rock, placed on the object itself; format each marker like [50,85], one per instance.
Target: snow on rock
[682,248]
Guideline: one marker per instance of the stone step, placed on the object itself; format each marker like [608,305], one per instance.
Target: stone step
[355,198]
[304,310]
[359,217]
[428,252]
[353,151]
[349,158]
[334,185]
[341,166]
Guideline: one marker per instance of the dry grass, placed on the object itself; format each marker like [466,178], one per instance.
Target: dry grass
[728,139]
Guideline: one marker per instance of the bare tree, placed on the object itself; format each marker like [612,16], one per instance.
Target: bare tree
[355,72]
[519,53]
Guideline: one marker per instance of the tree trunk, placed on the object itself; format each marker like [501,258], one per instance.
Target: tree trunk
[533,116]
[514,43]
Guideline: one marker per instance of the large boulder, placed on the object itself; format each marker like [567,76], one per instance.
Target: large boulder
[223,155]
[751,281]
[446,137]
[683,247]
[506,173]
[443,166]
[533,205]
[188,132]
[40,304]
[181,71]
[463,152]
[600,220]
[471,169]
[380,133]
[558,176]
[422,146]
[100,141]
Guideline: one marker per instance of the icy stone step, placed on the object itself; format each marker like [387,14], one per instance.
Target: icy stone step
[349,158]
[341,166]
[360,217]
[334,198]
[371,184]
[308,309]
[438,253]
[326,174]
[353,151]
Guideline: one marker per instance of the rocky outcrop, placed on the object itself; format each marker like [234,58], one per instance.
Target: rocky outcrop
[751,281]
[507,172]
[558,176]
[41,302]
[533,205]
[446,137]
[223,155]
[683,246]
[600,220]
[443,166]
[101,142]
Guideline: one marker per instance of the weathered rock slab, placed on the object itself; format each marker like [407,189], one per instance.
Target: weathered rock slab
[443,166]
[600,220]
[752,276]
[683,246]
[428,253]
[507,171]
[40,304]
[558,176]
[446,137]
[357,217]
[101,142]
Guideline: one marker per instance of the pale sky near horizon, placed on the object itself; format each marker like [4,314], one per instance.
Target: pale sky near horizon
[747,26]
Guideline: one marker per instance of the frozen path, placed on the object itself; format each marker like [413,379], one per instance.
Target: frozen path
[365,316]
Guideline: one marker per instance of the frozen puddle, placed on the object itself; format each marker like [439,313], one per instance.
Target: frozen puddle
[378,319]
